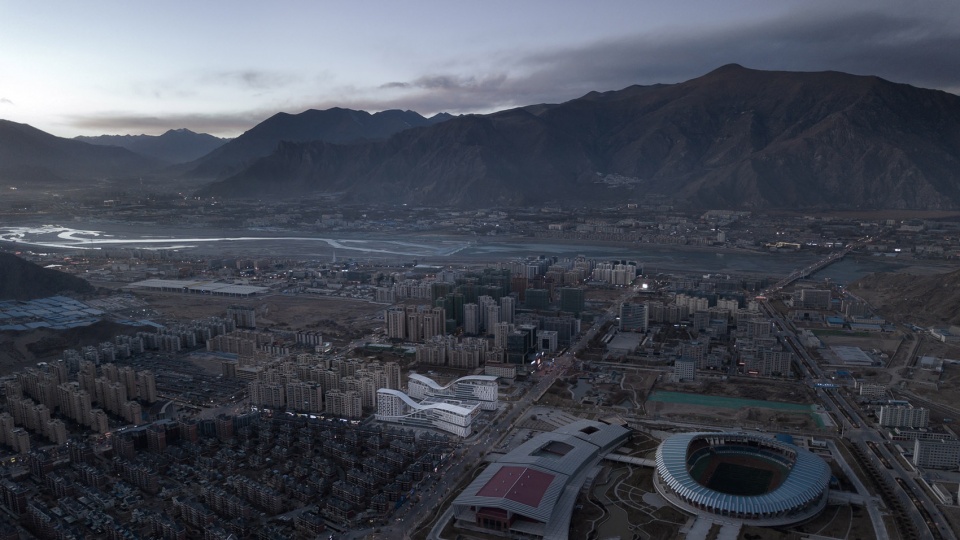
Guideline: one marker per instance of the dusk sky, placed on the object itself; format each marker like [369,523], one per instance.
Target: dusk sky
[89,68]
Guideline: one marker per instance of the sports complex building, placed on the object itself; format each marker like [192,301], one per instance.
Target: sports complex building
[530,491]
[480,388]
[447,415]
[743,477]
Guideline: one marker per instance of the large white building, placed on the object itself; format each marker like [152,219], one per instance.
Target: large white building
[900,416]
[482,389]
[936,454]
[684,370]
[448,415]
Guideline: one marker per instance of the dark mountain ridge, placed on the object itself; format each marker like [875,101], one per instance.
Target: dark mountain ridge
[23,280]
[334,125]
[28,154]
[174,146]
[735,138]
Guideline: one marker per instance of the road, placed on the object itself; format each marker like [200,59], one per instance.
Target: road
[476,448]
[855,428]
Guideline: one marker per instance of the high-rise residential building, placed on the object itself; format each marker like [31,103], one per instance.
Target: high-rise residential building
[133,412]
[615,274]
[633,317]
[128,376]
[776,362]
[224,427]
[471,319]
[508,309]
[728,305]
[344,404]
[572,300]
[147,386]
[491,318]
[538,299]
[242,316]
[759,327]
[684,370]
[815,298]
[57,431]
[99,421]
[20,441]
[396,319]
[7,425]
[266,394]
[304,397]
[693,303]
[392,370]
[696,351]
[500,333]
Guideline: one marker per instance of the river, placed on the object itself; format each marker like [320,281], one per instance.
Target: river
[408,247]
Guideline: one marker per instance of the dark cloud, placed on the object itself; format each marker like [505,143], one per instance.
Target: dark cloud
[201,123]
[923,52]
[910,49]
[250,79]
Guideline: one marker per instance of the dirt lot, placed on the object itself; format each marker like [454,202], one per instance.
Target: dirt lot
[744,416]
[768,390]
[884,342]
[338,319]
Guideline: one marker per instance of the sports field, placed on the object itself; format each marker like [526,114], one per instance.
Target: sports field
[725,402]
[736,479]
[738,475]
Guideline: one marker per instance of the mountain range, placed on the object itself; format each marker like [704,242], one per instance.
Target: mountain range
[174,146]
[30,156]
[332,125]
[734,138]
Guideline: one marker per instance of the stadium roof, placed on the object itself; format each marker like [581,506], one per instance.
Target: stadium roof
[807,480]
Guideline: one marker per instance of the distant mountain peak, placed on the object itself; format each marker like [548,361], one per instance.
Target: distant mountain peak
[733,138]
[334,125]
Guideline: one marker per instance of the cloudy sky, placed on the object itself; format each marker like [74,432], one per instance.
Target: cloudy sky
[87,68]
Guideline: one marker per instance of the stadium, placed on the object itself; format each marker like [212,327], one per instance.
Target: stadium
[742,477]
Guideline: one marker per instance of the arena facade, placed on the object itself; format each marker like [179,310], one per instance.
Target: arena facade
[530,492]
[742,477]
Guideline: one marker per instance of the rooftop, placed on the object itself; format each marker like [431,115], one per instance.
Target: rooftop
[520,484]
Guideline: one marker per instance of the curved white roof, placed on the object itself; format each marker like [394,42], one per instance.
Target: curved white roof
[448,407]
[433,384]
[807,480]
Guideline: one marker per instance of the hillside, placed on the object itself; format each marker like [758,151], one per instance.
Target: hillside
[926,300]
[734,138]
[23,280]
[332,125]
[30,155]
[174,146]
